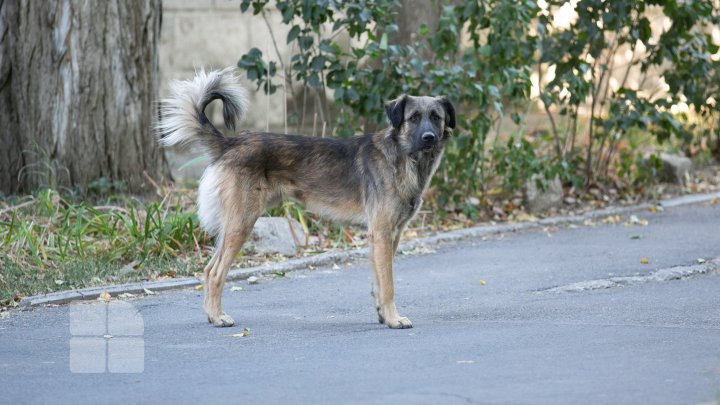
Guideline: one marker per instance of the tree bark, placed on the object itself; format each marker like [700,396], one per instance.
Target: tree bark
[412,14]
[78,81]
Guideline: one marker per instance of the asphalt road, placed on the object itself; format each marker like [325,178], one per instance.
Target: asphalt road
[313,336]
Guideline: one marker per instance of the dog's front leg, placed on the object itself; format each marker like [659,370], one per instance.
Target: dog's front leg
[381,255]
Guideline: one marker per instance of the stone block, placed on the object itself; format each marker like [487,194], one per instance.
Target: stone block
[538,200]
[272,235]
[675,168]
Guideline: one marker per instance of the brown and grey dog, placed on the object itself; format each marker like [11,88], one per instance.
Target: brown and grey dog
[376,180]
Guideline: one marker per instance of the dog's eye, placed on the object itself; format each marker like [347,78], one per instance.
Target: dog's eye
[434,117]
[415,117]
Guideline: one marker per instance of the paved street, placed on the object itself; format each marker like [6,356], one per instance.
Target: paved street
[313,336]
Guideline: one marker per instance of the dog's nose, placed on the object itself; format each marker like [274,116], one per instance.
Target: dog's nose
[428,137]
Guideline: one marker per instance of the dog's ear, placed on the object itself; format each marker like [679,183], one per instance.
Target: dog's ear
[449,111]
[395,110]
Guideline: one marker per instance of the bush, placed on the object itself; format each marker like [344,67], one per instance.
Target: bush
[489,57]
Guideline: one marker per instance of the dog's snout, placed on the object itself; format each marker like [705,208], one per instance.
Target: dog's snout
[428,137]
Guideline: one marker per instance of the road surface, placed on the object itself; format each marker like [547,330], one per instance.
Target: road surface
[313,335]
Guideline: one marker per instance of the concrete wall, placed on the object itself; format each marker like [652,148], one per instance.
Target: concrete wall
[214,34]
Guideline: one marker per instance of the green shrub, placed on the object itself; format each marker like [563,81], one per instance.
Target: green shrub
[484,56]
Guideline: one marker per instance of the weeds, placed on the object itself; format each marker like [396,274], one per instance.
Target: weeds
[51,243]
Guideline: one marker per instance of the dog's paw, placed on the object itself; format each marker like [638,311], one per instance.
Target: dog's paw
[221,321]
[398,323]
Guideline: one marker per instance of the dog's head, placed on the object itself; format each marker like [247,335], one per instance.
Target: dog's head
[421,123]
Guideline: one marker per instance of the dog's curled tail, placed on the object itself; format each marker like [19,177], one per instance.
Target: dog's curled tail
[182,115]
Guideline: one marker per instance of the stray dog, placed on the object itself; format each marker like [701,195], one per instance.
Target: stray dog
[377,180]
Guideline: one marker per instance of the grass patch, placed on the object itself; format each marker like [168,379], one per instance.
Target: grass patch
[16,281]
[50,243]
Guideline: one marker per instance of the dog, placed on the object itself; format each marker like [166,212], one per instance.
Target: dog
[376,180]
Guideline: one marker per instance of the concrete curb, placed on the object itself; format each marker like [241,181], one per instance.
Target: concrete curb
[668,274]
[329,258]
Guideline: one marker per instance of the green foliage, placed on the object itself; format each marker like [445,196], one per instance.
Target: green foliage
[484,54]
[366,75]
[585,57]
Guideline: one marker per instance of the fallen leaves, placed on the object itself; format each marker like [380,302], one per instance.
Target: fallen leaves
[9,303]
[634,220]
[482,282]
[252,280]
[418,250]
[525,217]
[644,260]
[245,332]
[235,288]
[104,296]
[612,219]
[198,287]
[148,292]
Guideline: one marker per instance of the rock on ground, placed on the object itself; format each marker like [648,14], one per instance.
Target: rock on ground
[272,235]
[675,168]
[538,200]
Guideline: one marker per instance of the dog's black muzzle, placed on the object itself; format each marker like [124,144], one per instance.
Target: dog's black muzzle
[428,140]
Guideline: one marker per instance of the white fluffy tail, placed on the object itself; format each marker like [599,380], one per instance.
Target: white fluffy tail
[182,115]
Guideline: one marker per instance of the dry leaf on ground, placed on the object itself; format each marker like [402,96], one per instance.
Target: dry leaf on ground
[245,332]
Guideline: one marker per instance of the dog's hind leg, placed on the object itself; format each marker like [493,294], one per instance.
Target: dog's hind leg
[238,222]
[209,267]
[232,240]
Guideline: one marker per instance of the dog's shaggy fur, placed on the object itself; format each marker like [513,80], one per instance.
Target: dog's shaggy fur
[376,180]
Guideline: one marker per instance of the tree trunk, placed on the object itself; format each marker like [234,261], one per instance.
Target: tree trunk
[411,15]
[78,81]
